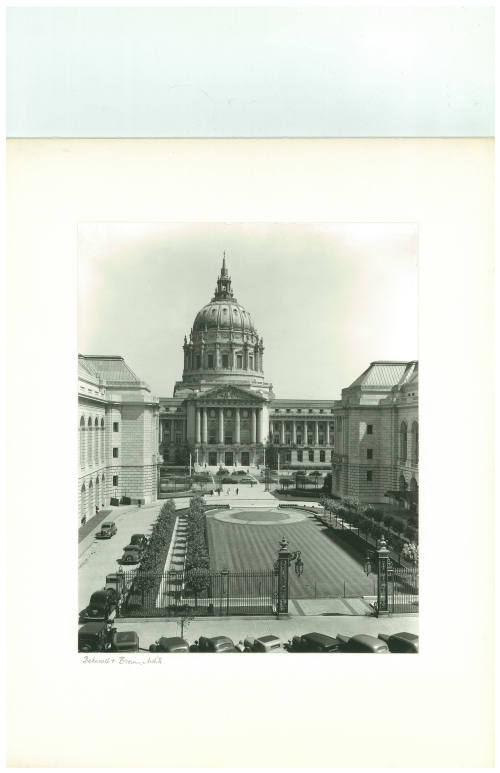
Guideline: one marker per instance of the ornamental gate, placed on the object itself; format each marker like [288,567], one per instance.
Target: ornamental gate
[225,593]
[403,589]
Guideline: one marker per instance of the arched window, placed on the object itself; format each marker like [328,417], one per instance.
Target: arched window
[413,485]
[90,503]
[97,492]
[96,440]
[402,483]
[414,442]
[89,441]
[403,441]
[102,440]
[83,509]
[82,441]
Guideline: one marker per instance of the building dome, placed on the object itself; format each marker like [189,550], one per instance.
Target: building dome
[223,345]
[224,313]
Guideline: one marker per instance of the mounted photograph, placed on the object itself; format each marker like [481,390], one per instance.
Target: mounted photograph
[248,437]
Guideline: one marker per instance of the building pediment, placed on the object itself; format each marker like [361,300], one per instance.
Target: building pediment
[230,394]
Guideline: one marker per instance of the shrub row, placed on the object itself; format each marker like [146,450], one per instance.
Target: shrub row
[196,544]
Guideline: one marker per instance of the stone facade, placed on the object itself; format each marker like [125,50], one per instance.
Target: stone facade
[376,433]
[118,426]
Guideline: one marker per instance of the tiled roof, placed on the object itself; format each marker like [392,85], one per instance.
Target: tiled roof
[85,369]
[111,368]
[382,374]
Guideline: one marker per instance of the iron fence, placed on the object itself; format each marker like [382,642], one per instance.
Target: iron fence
[403,589]
[226,593]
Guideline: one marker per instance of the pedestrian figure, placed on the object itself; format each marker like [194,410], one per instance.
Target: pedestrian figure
[96,509]
[237,492]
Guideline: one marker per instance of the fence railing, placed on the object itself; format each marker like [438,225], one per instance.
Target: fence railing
[225,593]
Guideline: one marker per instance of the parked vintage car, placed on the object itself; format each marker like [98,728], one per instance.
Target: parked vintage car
[107,530]
[140,540]
[102,637]
[170,644]
[93,637]
[314,642]
[362,642]
[268,643]
[400,642]
[216,644]
[132,554]
[102,606]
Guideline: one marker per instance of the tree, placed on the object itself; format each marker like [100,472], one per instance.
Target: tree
[285,482]
[327,483]
[315,474]
[272,456]
[197,580]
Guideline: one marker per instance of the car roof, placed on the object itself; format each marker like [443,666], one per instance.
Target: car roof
[94,627]
[368,641]
[173,641]
[108,523]
[268,638]
[404,635]
[98,594]
[320,638]
[131,547]
[126,636]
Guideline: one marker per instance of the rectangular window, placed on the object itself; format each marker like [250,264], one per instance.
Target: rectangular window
[369,429]
[369,453]
[115,453]
[251,363]
[116,426]
[210,359]
[225,361]
[299,456]
[322,456]
[277,440]
[311,456]
[299,440]
[178,438]
[115,480]
[212,440]
[198,361]
[288,456]
[321,439]
[239,361]
[309,440]
[228,440]
[369,476]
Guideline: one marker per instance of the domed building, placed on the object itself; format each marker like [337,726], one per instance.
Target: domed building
[224,411]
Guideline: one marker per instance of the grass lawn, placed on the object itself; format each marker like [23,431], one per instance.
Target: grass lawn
[327,564]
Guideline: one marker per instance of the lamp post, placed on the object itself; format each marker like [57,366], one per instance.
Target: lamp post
[281,567]
[383,567]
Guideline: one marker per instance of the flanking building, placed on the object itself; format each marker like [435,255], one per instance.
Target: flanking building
[118,427]
[376,434]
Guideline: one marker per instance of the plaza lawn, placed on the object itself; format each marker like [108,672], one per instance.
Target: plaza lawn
[326,563]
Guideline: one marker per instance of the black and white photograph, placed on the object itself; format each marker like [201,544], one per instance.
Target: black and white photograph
[250,386]
[248,438]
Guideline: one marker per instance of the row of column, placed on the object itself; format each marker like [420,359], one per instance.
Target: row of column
[304,435]
[256,425]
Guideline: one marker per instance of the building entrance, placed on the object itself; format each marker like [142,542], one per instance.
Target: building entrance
[212,458]
[229,458]
[245,459]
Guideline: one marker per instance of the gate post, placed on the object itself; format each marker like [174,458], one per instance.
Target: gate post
[281,567]
[382,578]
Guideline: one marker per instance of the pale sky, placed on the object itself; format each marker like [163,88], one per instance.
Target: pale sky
[328,299]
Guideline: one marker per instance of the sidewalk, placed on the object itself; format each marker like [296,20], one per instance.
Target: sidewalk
[237,628]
